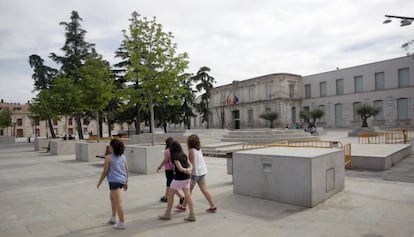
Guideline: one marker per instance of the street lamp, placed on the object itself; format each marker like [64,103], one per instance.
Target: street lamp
[404,21]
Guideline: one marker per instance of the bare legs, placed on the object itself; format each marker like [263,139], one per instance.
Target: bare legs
[116,204]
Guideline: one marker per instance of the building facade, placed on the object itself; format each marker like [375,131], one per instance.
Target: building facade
[239,104]
[24,127]
[388,85]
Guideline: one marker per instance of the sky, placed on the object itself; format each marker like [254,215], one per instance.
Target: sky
[236,39]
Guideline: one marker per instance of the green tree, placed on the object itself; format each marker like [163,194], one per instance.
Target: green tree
[43,107]
[155,64]
[96,87]
[188,101]
[204,84]
[43,77]
[75,50]
[270,116]
[365,111]
[316,114]
[5,118]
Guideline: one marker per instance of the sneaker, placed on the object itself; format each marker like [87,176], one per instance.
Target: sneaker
[119,226]
[180,208]
[163,199]
[166,216]
[190,217]
[212,210]
[112,220]
[181,201]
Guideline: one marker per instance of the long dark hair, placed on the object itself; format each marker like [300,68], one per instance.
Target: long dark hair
[176,150]
[168,142]
[118,146]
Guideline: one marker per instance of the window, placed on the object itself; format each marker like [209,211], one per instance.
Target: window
[358,87]
[250,117]
[268,92]
[291,91]
[37,123]
[19,122]
[251,93]
[379,81]
[379,104]
[402,108]
[86,121]
[55,122]
[340,86]
[403,77]
[70,121]
[307,91]
[338,115]
[355,106]
[322,89]
[267,110]
[322,107]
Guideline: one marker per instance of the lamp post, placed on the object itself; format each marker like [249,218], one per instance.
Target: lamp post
[404,20]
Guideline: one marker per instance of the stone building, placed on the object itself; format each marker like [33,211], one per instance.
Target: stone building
[239,104]
[23,126]
[387,84]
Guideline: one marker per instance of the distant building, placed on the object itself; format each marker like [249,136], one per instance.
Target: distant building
[24,126]
[239,105]
[387,84]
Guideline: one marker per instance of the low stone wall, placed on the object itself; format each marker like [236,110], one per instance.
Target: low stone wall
[61,147]
[7,139]
[87,151]
[40,144]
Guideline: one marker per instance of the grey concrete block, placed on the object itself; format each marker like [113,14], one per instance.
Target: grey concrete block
[298,176]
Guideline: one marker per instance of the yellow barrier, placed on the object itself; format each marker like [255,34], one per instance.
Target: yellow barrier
[310,143]
[391,136]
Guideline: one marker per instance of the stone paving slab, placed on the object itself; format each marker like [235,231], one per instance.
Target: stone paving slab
[44,195]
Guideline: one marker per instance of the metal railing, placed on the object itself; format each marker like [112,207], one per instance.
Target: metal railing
[391,136]
[312,144]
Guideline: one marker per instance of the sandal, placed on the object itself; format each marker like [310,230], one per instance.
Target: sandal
[180,208]
[212,210]
[163,199]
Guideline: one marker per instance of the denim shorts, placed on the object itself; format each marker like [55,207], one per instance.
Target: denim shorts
[114,186]
[196,179]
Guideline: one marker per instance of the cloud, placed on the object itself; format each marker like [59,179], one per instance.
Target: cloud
[237,39]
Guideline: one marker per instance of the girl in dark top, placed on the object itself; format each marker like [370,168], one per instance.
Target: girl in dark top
[181,180]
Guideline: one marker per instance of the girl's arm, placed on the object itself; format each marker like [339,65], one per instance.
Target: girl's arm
[126,183]
[181,168]
[163,161]
[104,171]
[191,157]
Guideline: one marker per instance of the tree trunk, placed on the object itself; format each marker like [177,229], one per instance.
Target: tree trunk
[152,122]
[79,127]
[164,124]
[109,128]
[364,123]
[137,120]
[52,132]
[100,124]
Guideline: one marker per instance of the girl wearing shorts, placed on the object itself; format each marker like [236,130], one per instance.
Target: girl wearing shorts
[181,180]
[169,170]
[199,172]
[116,171]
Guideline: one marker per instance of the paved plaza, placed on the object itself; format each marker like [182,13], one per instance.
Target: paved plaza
[44,195]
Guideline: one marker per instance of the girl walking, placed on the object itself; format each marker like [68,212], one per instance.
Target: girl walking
[169,172]
[199,172]
[116,171]
[181,180]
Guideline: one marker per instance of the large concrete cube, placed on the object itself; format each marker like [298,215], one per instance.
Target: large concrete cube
[61,147]
[297,176]
[144,159]
[87,151]
[40,144]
